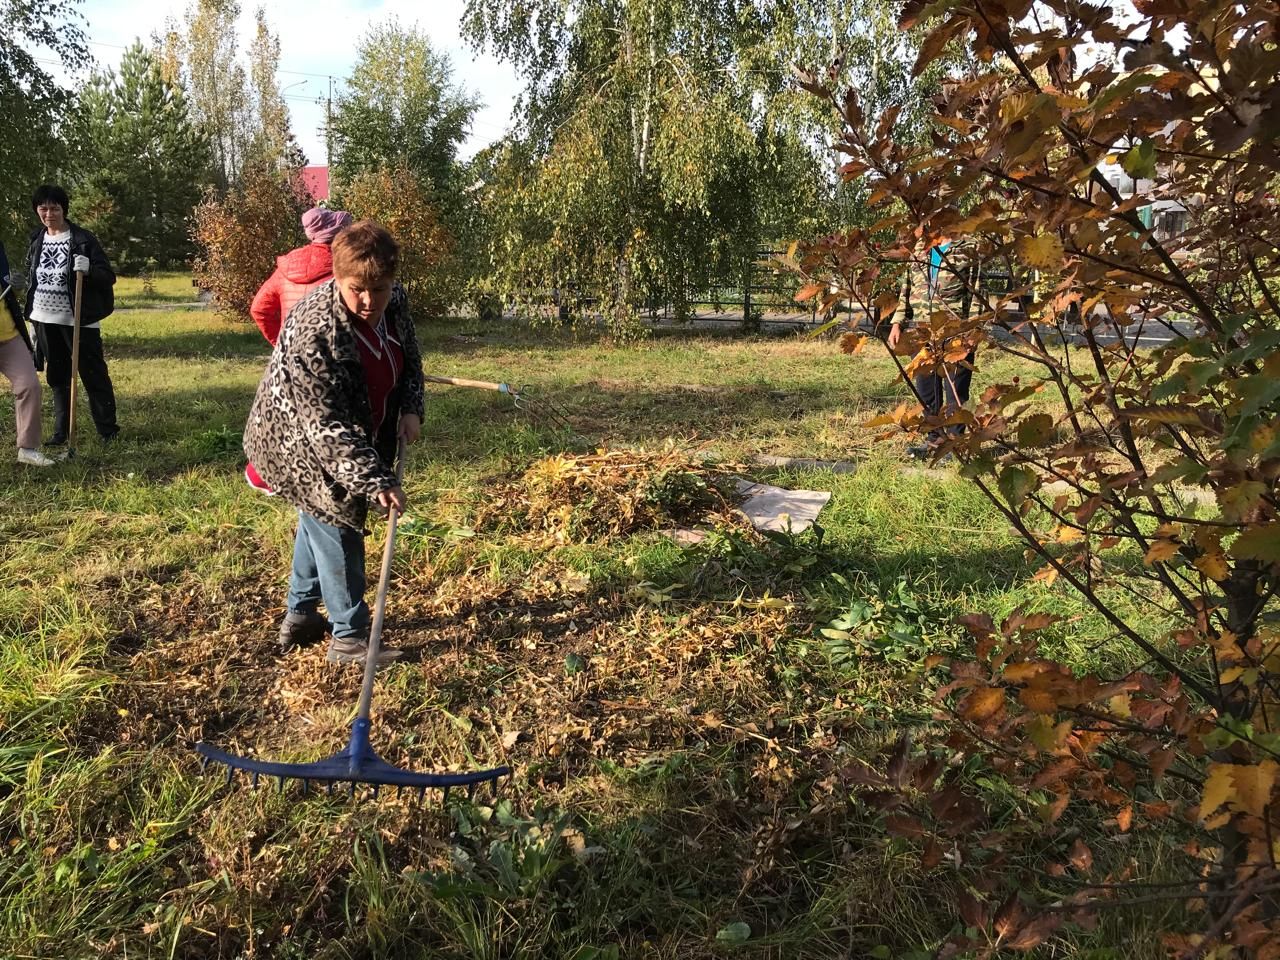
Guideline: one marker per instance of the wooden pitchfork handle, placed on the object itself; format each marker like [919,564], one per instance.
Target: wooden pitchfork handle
[477,384]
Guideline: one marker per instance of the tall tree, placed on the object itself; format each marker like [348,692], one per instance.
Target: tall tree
[217,83]
[146,163]
[273,140]
[652,153]
[241,111]
[402,106]
[31,101]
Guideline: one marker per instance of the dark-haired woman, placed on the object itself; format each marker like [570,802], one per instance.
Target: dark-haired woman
[59,250]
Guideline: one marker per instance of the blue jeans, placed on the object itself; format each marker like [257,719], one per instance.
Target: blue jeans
[328,564]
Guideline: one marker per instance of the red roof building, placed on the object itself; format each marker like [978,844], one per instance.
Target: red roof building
[316,180]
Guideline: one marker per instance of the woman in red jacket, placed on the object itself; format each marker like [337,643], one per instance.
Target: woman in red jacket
[299,271]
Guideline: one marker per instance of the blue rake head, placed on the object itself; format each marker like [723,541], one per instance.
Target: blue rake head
[356,763]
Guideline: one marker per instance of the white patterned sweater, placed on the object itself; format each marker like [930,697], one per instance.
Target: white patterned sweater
[52,301]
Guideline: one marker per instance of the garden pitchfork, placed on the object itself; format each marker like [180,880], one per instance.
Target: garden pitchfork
[538,407]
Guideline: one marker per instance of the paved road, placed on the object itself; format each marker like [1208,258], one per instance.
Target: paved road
[1149,335]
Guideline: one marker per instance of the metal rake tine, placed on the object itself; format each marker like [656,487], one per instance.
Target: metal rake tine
[471,792]
[329,789]
[280,785]
[445,802]
[422,793]
[352,794]
[204,763]
[306,785]
[231,772]
[255,779]
[376,787]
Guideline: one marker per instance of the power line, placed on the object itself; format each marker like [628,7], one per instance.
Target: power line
[292,73]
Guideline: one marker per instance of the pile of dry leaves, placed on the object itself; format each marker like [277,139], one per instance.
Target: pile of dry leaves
[609,493]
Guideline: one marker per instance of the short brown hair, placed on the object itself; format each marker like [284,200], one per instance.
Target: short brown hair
[365,251]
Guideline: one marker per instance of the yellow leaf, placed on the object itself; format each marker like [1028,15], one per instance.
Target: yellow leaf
[1119,705]
[1263,437]
[1159,551]
[1218,787]
[1213,565]
[1043,252]
[1259,543]
[1230,675]
[1253,786]
[1239,499]
[1067,534]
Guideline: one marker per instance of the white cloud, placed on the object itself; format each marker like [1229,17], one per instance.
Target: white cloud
[317,40]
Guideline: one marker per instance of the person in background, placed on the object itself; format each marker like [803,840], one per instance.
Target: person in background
[17,365]
[298,272]
[942,283]
[344,385]
[59,250]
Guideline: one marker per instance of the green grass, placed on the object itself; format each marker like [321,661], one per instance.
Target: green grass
[664,785]
[169,287]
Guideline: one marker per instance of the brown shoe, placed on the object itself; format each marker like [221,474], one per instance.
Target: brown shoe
[355,649]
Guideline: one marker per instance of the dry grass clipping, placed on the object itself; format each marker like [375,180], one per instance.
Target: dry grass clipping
[609,493]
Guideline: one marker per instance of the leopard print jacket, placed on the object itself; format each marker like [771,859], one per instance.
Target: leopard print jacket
[310,431]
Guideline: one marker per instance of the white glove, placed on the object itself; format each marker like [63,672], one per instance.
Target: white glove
[81,264]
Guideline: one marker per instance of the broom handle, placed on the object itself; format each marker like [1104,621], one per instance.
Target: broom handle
[380,605]
[478,384]
[75,364]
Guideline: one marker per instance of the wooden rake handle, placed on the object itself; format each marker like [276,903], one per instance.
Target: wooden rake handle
[75,366]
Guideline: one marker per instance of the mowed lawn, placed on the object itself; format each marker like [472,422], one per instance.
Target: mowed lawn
[676,722]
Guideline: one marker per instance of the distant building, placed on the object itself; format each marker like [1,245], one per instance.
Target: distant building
[1168,218]
[316,181]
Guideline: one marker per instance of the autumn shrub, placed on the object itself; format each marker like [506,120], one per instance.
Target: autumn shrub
[1122,173]
[429,266]
[239,235]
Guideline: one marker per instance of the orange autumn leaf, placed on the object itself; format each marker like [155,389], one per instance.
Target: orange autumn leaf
[982,704]
[1023,670]
[1041,701]
[1081,856]
[1124,819]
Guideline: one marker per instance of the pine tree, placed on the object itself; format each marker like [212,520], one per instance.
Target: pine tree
[148,162]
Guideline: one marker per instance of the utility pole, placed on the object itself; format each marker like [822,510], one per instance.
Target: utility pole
[328,127]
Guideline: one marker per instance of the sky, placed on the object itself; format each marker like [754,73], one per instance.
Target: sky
[317,41]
